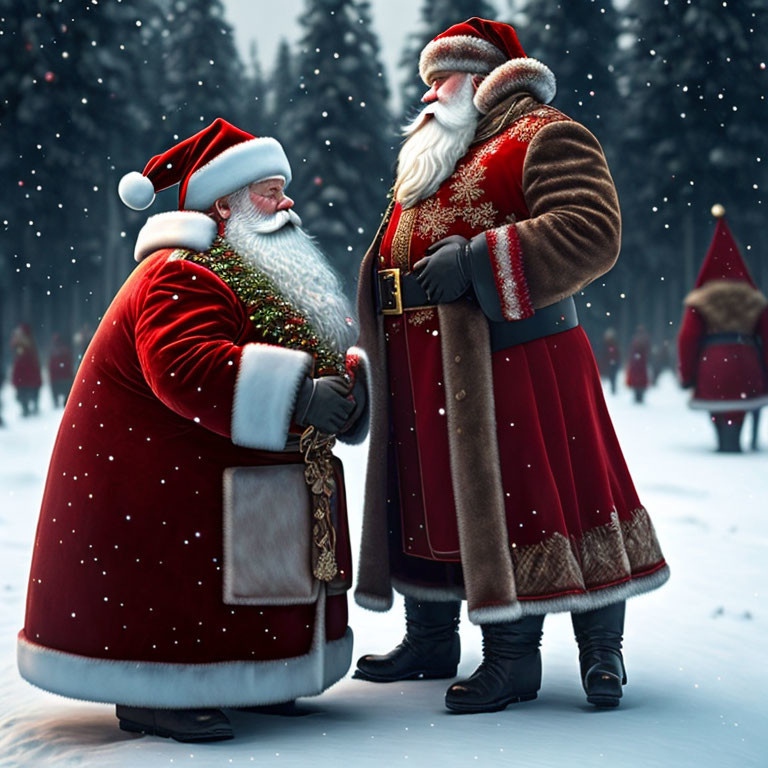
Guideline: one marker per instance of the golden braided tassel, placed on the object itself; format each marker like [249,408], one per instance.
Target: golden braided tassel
[318,473]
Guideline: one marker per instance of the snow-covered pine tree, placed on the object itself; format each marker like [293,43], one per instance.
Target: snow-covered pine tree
[340,143]
[78,106]
[695,80]
[255,108]
[282,89]
[578,41]
[436,17]
[204,75]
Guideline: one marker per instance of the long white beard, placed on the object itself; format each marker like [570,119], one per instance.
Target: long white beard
[296,267]
[436,139]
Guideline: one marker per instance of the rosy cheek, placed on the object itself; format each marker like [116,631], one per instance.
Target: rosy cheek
[449,88]
[263,204]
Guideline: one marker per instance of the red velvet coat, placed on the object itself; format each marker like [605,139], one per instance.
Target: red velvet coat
[125,600]
[565,487]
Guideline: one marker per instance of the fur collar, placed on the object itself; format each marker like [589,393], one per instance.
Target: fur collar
[728,305]
[176,229]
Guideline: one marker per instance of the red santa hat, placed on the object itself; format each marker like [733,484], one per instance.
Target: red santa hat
[488,48]
[213,163]
[723,260]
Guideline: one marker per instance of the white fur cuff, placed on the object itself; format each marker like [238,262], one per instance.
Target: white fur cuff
[265,395]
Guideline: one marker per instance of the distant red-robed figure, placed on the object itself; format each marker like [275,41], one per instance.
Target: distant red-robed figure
[60,369]
[609,358]
[25,375]
[723,340]
[637,366]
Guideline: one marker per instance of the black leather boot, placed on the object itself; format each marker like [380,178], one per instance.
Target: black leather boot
[430,649]
[187,725]
[599,634]
[510,670]
[728,436]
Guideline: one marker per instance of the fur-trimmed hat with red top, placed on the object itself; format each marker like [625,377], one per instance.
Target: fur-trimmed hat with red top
[213,163]
[489,48]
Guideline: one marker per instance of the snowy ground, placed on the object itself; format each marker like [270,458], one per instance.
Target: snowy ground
[697,677]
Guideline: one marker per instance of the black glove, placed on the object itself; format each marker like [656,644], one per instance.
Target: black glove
[360,396]
[324,403]
[445,273]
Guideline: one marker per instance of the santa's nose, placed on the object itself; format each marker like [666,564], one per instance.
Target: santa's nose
[430,95]
[285,203]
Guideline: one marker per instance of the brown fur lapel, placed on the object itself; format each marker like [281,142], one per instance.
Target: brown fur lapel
[728,306]
[504,114]
[475,468]
[374,584]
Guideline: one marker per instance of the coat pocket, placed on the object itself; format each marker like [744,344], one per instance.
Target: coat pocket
[268,536]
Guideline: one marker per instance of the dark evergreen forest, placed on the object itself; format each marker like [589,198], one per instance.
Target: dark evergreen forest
[675,91]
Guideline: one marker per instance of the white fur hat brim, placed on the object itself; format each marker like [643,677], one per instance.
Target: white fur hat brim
[459,53]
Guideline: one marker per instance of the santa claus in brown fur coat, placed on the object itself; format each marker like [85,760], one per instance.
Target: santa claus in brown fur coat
[494,473]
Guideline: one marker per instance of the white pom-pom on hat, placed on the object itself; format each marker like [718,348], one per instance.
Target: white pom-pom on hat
[136,191]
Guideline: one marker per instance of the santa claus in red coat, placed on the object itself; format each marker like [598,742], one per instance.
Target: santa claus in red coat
[494,474]
[723,340]
[182,562]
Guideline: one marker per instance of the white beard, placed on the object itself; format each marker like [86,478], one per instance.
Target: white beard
[277,246]
[436,140]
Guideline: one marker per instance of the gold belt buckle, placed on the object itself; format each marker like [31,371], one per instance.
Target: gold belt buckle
[389,292]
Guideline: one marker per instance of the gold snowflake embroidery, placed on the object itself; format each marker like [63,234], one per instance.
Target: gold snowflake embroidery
[435,218]
[466,186]
[481,217]
[421,316]
[528,126]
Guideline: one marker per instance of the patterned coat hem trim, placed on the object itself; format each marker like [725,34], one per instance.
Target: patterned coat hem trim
[576,603]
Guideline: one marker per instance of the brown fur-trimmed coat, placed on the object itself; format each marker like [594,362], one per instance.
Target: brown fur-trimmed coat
[569,239]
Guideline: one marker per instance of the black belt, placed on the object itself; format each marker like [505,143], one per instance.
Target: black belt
[398,292]
[729,338]
[547,321]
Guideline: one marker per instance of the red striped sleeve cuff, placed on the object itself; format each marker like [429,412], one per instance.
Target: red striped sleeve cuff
[507,263]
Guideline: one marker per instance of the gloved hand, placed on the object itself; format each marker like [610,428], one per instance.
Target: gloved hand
[445,272]
[324,403]
[360,396]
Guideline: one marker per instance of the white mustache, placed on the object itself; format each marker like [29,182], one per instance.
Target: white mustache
[276,221]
